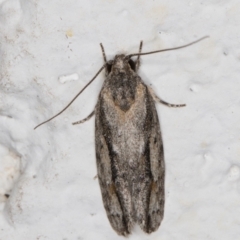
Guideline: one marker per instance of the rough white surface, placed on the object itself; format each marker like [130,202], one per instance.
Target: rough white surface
[49,173]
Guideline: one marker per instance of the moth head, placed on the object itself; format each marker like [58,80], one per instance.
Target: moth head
[121,63]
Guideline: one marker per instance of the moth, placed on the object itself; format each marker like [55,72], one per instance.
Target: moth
[129,147]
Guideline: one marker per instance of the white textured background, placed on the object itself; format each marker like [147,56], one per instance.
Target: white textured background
[49,173]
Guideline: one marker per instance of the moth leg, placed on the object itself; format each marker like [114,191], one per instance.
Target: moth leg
[138,58]
[85,119]
[157,99]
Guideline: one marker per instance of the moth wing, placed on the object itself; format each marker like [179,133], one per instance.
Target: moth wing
[108,189]
[157,196]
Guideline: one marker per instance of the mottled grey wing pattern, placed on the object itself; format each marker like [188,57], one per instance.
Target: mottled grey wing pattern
[130,161]
[157,196]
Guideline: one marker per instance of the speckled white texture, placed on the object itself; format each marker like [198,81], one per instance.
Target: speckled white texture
[49,173]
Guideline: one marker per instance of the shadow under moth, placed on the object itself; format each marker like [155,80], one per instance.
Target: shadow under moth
[129,147]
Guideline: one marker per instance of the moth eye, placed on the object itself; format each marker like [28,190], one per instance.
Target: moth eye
[109,67]
[132,64]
